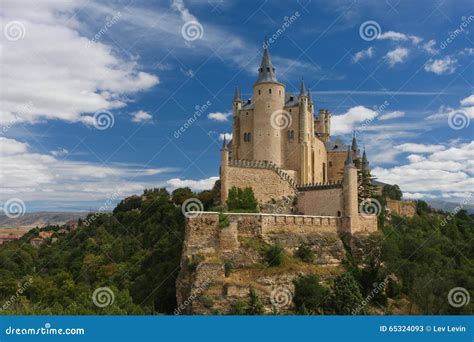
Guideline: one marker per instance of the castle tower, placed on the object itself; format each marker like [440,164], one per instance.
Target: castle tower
[355,148]
[269,101]
[236,107]
[365,162]
[304,136]
[349,184]
[224,170]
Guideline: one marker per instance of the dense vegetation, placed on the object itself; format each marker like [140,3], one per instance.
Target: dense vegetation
[135,251]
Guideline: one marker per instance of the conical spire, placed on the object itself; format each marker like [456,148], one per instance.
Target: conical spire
[349,161]
[302,88]
[354,142]
[310,98]
[266,72]
[365,162]
[237,96]
[224,144]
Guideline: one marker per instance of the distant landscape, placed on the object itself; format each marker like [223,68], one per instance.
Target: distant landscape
[39,219]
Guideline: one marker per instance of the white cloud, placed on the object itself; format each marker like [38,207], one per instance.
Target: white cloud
[60,152]
[468,101]
[419,148]
[196,185]
[430,47]
[399,55]
[228,136]
[417,195]
[363,54]
[398,36]
[446,170]
[392,115]
[57,71]
[219,116]
[347,122]
[446,65]
[141,116]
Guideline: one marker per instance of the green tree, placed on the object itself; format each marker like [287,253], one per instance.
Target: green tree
[392,192]
[242,200]
[181,194]
[346,295]
[310,296]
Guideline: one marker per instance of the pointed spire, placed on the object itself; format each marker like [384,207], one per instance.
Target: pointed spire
[266,72]
[302,88]
[354,146]
[365,162]
[224,144]
[310,98]
[349,161]
[237,97]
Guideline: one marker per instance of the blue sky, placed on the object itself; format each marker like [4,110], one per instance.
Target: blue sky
[401,73]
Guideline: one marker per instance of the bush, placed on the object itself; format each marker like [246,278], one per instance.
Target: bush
[238,308]
[228,268]
[309,296]
[275,255]
[305,253]
[392,192]
[346,294]
[223,221]
[255,306]
[242,200]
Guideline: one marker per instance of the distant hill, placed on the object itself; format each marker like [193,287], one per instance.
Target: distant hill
[450,206]
[40,219]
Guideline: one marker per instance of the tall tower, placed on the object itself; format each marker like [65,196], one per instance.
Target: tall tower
[223,171]
[349,186]
[304,135]
[236,107]
[269,101]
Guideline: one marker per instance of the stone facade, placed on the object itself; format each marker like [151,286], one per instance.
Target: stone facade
[406,208]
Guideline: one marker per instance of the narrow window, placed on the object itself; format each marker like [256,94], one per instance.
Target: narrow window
[269,91]
[259,92]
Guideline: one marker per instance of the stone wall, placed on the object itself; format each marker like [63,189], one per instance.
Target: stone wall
[405,208]
[366,224]
[324,202]
[266,183]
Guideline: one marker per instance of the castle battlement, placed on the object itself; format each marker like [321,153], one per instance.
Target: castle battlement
[320,186]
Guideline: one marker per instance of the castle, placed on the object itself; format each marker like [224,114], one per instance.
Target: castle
[280,149]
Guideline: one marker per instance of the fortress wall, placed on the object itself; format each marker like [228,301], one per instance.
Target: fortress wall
[366,224]
[266,184]
[275,224]
[405,208]
[336,165]
[322,202]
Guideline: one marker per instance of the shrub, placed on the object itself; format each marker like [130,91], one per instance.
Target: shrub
[228,268]
[346,294]
[239,308]
[255,306]
[223,221]
[275,255]
[242,200]
[305,253]
[309,296]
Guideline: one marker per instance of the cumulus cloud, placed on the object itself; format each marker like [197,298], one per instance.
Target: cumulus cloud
[446,65]
[430,47]
[399,55]
[219,116]
[468,101]
[446,170]
[228,136]
[54,72]
[398,36]
[392,115]
[419,148]
[363,54]
[141,116]
[347,122]
[196,185]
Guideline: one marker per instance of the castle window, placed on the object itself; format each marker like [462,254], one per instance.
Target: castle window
[269,91]
[268,69]
[290,110]
[279,92]
[338,214]
[246,113]
[249,136]
[330,164]
[259,92]
[291,135]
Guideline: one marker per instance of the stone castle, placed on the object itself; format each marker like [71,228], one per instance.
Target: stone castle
[280,149]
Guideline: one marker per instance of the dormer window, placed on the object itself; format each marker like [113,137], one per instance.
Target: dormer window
[268,69]
[291,98]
